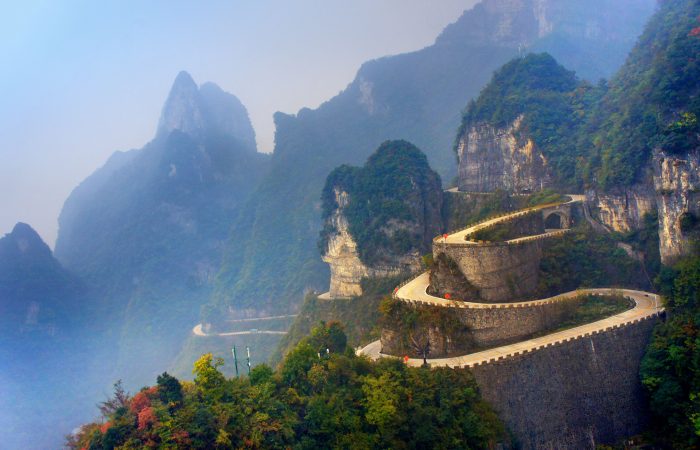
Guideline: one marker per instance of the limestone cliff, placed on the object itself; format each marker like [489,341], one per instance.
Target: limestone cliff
[622,210]
[379,218]
[493,158]
[677,183]
[347,270]
[197,111]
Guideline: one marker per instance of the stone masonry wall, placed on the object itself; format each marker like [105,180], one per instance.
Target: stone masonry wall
[501,272]
[593,393]
[479,327]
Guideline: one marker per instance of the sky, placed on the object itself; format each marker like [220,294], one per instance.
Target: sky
[82,79]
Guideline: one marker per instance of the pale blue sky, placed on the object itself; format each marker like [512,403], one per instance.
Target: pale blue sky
[81,79]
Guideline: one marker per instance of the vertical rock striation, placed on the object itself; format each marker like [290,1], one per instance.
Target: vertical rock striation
[623,210]
[677,183]
[341,254]
[493,158]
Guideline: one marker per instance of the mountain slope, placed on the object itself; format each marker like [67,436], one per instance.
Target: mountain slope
[654,100]
[146,230]
[42,344]
[417,96]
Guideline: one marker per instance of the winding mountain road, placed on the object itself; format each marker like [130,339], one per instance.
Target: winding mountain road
[197,330]
[458,237]
[647,305]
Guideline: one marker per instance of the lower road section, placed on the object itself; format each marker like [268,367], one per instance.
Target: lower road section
[198,331]
[647,305]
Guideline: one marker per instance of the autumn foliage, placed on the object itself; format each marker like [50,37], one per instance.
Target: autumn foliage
[317,399]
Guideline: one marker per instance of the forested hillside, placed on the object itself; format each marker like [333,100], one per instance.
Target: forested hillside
[653,101]
[322,396]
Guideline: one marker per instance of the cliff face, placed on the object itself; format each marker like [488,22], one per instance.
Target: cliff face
[493,158]
[623,210]
[677,184]
[346,268]
[379,218]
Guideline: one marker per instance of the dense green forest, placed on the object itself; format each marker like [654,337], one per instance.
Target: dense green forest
[394,203]
[322,396]
[359,315]
[671,367]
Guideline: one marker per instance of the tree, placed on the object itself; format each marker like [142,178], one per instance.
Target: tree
[169,388]
[119,400]
[207,375]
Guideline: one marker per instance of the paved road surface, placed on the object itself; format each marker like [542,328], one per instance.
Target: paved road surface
[197,330]
[458,237]
[647,305]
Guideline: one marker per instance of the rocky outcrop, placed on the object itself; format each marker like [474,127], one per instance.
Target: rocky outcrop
[197,111]
[498,158]
[347,270]
[37,295]
[622,210]
[677,184]
[673,191]
[447,279]
[379,218]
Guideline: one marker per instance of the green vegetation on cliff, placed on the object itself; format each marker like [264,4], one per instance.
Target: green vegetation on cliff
[670,370]
[653,101]
[604,135]
[271,258]
[322,396]
[359,315]
[586,259]
[553,103]
[393,205]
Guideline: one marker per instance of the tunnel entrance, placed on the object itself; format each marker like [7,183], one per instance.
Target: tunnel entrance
[554,221]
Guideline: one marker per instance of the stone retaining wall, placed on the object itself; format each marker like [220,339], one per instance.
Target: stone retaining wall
[572,395]
[478,328]
[500,272]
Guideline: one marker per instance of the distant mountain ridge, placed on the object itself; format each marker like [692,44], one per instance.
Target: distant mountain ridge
[42,328]
[37,295]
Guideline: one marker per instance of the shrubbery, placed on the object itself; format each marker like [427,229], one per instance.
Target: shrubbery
[317,399]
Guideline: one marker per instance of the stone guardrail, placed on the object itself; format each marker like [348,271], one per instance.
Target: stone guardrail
[658,312]
[514,354]
[462,304]
[506,215]
[516,241]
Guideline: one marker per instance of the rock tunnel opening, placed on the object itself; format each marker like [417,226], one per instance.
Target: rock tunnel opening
[555,221]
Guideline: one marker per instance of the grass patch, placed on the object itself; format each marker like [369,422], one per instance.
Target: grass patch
[592,308]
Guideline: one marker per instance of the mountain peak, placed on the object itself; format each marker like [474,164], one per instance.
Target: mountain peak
[183,78]
[23,240]
[194,110]
[182,108]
